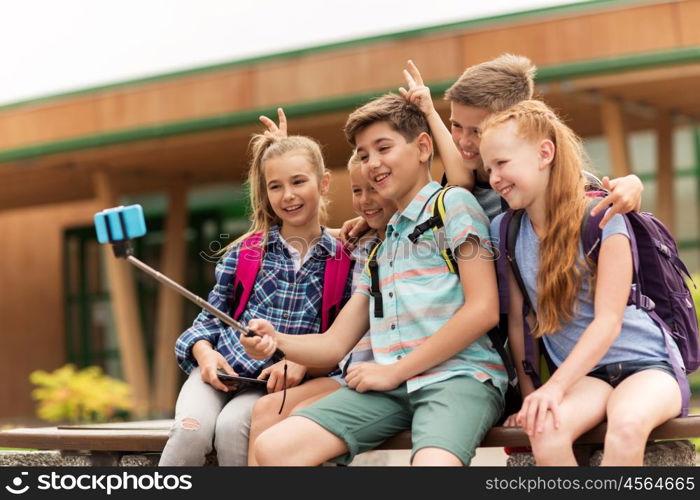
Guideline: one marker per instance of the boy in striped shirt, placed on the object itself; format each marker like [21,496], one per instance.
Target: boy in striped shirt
[435,370]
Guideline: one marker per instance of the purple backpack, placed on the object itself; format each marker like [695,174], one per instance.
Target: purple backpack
[334,278]
[659,275]
[661,289]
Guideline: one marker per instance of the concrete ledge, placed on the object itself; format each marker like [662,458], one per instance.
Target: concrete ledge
[86,459]
[679,453]
[31,459]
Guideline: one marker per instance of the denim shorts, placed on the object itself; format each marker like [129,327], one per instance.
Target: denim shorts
[614,373]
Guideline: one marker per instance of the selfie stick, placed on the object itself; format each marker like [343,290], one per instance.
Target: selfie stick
[121,224]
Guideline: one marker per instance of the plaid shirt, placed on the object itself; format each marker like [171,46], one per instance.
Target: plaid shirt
[290,300]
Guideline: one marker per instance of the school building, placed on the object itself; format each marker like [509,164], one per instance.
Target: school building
[624,74]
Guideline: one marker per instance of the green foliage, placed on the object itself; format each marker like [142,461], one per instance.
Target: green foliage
[695,292]
[695,441]
[694,378]
[80,396]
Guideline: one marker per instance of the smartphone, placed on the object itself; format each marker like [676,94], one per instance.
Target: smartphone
[238,383]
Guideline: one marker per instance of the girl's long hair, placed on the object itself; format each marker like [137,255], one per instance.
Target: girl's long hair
[265,147]
[559,278]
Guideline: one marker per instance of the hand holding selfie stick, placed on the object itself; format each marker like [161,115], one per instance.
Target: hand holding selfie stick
[121,224]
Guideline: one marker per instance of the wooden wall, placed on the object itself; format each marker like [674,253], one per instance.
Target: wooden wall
[610,31]
[31,307]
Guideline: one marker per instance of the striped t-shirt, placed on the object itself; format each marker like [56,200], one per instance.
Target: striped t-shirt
[420,294]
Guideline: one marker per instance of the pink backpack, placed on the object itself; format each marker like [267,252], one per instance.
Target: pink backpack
[334,278]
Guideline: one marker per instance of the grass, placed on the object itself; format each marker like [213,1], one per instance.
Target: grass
[694,381]
[695,441]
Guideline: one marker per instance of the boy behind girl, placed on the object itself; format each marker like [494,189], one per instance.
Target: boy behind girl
[483,89]
[435,371]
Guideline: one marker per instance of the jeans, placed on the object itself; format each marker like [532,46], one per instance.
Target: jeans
[211,418]
[614,373]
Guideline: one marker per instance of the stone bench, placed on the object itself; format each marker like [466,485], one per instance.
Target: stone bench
[140,443]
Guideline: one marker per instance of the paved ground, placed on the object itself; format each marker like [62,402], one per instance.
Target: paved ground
[484,456]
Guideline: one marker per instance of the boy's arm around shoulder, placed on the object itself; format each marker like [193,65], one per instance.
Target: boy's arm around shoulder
[624,195]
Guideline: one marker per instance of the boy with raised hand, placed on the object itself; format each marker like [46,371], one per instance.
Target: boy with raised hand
[435,371]
[483,89]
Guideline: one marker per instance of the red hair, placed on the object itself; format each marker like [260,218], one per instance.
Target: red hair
[560,268]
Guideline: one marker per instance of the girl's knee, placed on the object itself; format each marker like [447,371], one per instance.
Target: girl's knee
[626,432]
[550,441]
[189,429]
[190,424]
[189,439]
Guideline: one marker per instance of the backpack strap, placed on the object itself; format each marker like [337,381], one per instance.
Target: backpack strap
[436,222]
[591,239]
[591,233]
[372,267]
[248,265]
[335,277]
[502,264]
[373,270]
[438,209]
[510,228]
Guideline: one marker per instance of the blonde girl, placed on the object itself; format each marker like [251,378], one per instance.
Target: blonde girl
[376,211]
[288,182]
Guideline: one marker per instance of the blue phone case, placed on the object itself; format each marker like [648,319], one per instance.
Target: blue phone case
[120,223]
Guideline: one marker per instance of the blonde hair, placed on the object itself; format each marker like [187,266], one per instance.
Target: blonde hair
[495,85]
[559,277]
[402,116]
[354,160]
[263,148]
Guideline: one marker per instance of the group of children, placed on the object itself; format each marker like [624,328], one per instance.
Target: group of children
[410,348]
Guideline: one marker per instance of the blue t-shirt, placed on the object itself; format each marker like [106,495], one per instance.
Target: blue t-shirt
[640,338]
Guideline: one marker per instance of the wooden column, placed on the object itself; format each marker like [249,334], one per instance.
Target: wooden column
[614,127]
[665,188]
[170,303]
[125,310]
